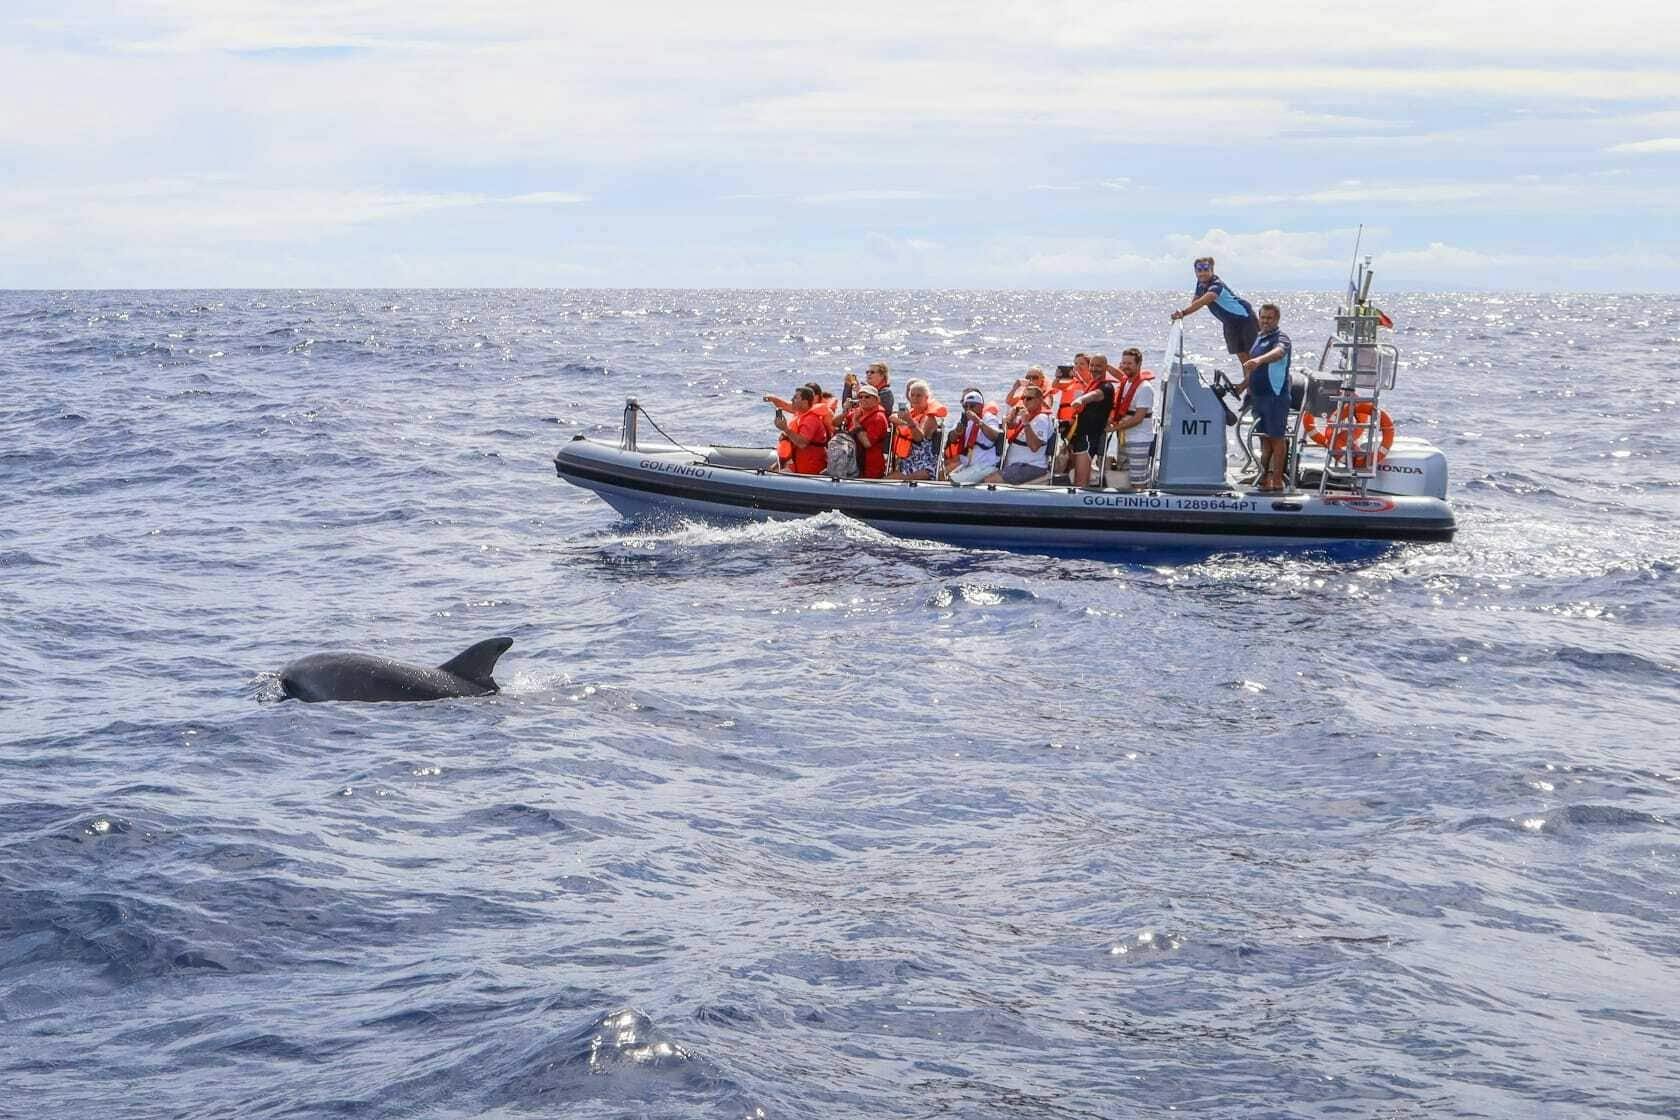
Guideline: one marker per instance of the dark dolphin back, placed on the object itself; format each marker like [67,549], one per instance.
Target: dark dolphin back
[360,676]
[476,663]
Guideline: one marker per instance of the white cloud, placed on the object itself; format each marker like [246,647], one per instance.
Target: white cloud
[1268,252]
[1440,265]
[1423,193]
[1275,263]
[867,196]
[1439,256]
[1607,188]
[209,210]
[1642,147]
[1540,28]
[268,120]
[1285,259]
[906,253]
[546,198]
[1094,264]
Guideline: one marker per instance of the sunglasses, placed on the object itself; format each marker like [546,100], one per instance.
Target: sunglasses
[1204,268]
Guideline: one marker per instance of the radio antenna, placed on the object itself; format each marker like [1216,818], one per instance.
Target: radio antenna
[1353,267]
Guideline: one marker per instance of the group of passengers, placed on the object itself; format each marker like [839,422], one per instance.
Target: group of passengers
[1045,427]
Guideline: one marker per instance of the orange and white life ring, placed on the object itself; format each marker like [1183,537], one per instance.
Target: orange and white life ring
[1344,434]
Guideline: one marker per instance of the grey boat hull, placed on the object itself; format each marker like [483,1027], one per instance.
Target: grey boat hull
[675,483]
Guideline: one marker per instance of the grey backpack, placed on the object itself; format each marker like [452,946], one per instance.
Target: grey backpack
[842,457]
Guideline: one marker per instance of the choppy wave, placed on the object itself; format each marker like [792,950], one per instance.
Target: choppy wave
[800,819]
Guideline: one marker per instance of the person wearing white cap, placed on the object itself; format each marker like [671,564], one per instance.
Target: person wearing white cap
[972,450]
[866,422]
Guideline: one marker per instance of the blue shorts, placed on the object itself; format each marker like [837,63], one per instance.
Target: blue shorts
[1240,336]
[1271,415]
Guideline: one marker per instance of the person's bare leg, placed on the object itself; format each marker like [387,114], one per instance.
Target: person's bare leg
[1274,457]
[1081,468]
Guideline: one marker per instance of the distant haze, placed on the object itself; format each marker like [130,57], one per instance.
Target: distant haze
[185,143]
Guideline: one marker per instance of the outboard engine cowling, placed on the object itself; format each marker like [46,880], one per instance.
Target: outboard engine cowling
[1412,467]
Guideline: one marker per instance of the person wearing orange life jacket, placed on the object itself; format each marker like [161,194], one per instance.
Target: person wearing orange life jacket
[825,404]
[807,432]
[824,407]
[973,449]
[1068,388]
[1027,431]
[1090,430]
[867,423]
[1034,377]
[1133,417]
[916,433]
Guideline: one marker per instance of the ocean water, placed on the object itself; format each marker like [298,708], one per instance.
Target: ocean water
[800,820]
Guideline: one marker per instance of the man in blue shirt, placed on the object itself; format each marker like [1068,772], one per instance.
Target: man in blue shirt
[1234,313]
[1266,377]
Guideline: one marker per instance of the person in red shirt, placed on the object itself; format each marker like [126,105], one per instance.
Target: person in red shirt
[808,432]
[866,421]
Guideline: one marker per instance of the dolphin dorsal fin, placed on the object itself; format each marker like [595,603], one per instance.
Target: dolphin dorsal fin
[477,662]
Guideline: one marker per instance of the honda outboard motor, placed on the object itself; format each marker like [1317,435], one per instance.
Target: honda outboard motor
[1412,466]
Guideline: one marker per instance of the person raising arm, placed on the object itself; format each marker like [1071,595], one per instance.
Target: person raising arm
[808,432]
[1235,314]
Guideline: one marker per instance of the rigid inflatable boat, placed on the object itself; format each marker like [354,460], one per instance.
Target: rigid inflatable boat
[1357,482]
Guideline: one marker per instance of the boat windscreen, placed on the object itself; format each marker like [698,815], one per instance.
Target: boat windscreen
[1173,352]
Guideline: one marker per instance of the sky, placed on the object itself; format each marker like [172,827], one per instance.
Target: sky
[1482,144]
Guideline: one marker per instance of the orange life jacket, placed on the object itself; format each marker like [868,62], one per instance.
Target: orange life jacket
[1126,393]
[1096,382]
[1070,389]
[824,407]
[901,432]
[1012,435]
[1014,396]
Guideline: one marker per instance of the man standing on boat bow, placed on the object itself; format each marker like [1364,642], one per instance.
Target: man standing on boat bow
[1234,313]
